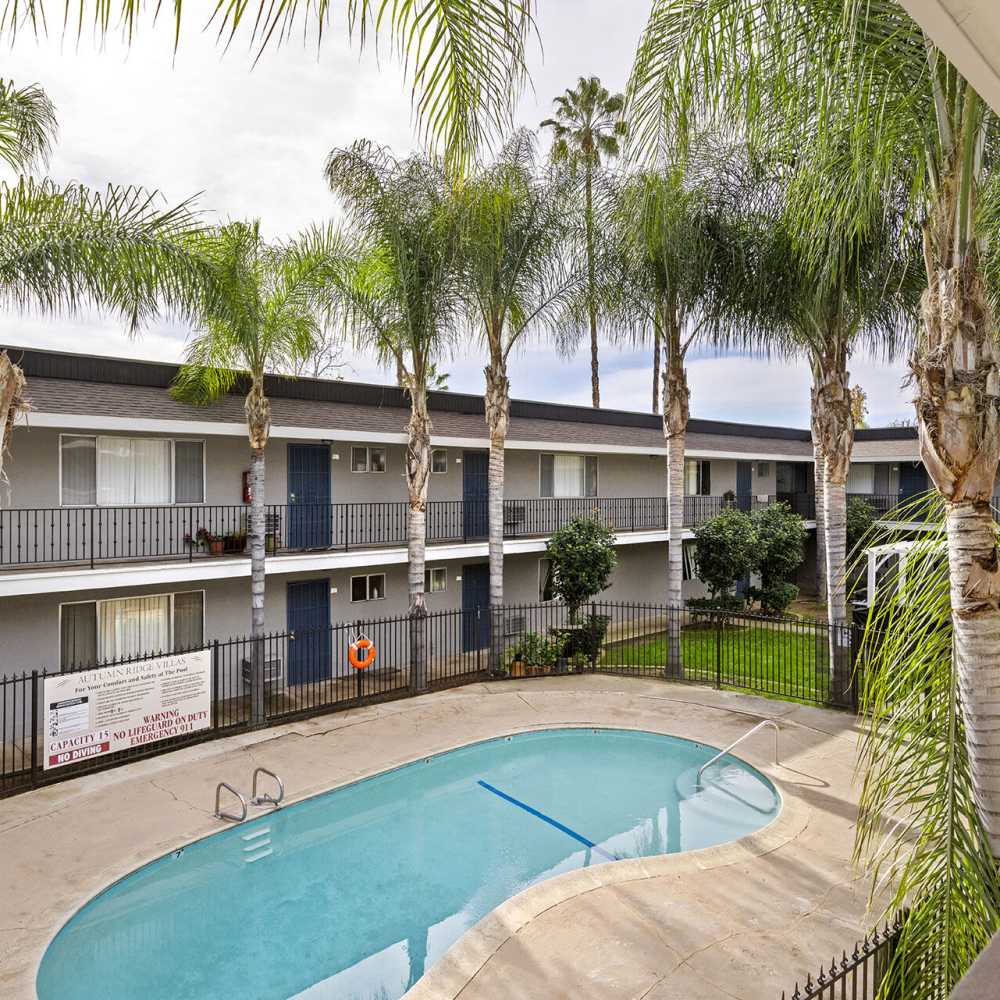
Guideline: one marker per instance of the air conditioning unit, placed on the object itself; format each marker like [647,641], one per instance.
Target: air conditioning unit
[273,673]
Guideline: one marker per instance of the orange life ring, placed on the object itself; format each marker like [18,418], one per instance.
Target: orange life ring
[352,653]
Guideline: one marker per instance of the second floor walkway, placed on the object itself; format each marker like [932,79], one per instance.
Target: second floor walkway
[32,537]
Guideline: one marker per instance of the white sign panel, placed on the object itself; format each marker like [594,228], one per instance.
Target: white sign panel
[96,712]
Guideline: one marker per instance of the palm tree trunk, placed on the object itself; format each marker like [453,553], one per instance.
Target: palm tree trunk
[258,412]
[657,351]
[819,488]
[595,378]
[833,427]
[497,405]
[418,455]
[958,380]
[676,410]
[12,403]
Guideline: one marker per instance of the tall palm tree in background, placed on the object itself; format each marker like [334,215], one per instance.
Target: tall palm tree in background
[401,297]
[677,259]
[465,59]
[514,278]
[586,133]
[267,316]
[870,104]
[63,247]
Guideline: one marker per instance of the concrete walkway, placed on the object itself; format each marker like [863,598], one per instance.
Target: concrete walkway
[741,920]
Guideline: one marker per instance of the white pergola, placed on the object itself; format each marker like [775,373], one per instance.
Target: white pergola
[892,552]
[968,33]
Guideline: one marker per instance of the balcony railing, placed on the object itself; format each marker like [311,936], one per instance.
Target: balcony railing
[910,510]
[88,535]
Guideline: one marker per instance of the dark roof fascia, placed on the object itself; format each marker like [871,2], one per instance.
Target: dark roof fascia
[886,434]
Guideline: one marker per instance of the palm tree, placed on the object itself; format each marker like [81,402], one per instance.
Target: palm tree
[401,298]
[62,247]
[869,103]
[864,296]
[465,58]
[677,259]
[267,316]
[585,135]
[513,278]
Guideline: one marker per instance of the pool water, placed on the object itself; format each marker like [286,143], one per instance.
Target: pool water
[355,893]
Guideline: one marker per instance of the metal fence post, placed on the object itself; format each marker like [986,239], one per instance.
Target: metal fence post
[718,652]
[34,725]
[216,684]
[593,636]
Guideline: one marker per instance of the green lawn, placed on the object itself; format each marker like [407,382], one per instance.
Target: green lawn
[791,663]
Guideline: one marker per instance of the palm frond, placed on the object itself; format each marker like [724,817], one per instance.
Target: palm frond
[64,247]
[465,59]
[27,125]
[919,833]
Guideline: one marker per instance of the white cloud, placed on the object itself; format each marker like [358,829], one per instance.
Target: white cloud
[253,141]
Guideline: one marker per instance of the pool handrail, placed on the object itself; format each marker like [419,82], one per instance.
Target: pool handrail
[218,806]
[265,799]
[722,753]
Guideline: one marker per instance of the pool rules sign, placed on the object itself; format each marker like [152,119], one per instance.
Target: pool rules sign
[97,712]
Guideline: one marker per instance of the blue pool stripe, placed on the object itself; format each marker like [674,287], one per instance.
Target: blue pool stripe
[548,819]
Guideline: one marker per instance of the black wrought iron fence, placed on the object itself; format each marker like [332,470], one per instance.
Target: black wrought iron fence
[307,673]
[860,975]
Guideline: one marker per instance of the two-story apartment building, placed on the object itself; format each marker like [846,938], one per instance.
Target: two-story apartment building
[124,529]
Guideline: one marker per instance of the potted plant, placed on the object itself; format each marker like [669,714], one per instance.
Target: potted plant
[209,541]
[517,662]
[235,541]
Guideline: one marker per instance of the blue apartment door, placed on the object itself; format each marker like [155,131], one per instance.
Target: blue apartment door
[476,606]
[308,610]
[744,484]
[475,494]
[309,496]
[912,480]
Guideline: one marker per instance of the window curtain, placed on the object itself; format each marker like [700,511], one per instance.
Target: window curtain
[188,621]
[688,567]
[134,625]
[133,471]
[861,479]
[151,464]
[78,635]
[79,471]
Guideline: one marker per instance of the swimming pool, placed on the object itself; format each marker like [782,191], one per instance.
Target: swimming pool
[354,893]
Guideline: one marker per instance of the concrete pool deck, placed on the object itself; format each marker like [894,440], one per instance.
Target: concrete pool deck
[741,920]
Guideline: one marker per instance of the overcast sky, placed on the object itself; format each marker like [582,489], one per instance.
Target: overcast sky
[251,141]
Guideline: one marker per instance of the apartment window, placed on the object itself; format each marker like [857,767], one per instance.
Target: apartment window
[763,469]
[697,478]
[367,459]
[688,569]
[439,460]
[102,631]
[567,475]
[861,478]
[546,582]
[435,580]
[122,471]
[370,587]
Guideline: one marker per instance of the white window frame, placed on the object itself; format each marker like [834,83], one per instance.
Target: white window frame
[583,455]
[429,579]
[173,473]
[368,449]
[368,588]
[128,597]
[439,472]
[541,599]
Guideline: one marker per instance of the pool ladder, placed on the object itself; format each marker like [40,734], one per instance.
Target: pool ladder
[256,798]
[722,753]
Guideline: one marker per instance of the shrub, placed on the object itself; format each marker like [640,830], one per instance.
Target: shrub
[583,558]
[584,639]
[779,550]
[536,650]
[723,552]
[861,518]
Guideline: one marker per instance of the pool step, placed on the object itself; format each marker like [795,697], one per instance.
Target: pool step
[257,845]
